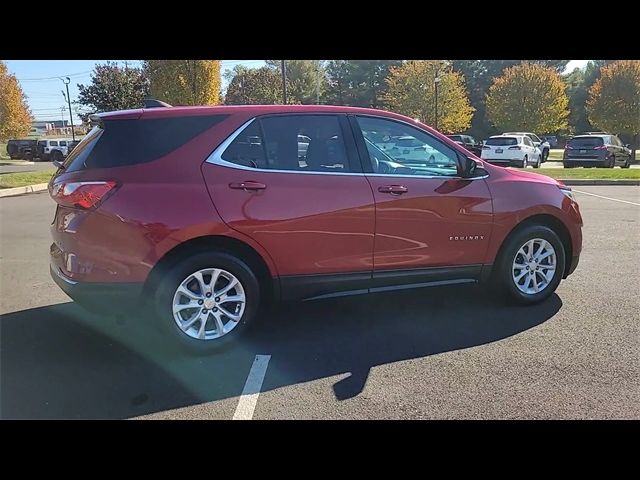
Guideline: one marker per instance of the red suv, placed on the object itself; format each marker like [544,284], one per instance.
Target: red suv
[206,212]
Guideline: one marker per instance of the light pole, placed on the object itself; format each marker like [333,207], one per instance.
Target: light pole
[436,81]
[62,109]
[66,84]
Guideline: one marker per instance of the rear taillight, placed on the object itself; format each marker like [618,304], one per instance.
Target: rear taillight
[85,195]
[486,147]
[514,148]
[568,147]
[601,147]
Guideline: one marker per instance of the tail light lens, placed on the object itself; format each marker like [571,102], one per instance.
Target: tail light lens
[601,147]
[514,148]
[86,195]
[568,147]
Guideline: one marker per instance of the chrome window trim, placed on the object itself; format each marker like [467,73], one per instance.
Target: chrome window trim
[215,158]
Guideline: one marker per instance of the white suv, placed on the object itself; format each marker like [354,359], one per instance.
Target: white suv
[516,150]
[543,145]
[54,149]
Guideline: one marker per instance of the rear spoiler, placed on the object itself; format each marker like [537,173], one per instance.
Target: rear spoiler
[152,103]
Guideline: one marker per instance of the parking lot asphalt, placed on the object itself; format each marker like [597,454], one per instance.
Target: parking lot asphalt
[423,354]
[8,167]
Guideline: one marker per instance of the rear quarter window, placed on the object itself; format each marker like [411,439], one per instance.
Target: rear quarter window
[129,142]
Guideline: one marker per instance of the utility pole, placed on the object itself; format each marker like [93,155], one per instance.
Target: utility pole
[62,109]
[66,84]
[284,82]
[319,67]
[436,81]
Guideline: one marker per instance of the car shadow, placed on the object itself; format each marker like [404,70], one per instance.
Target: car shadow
[63,362]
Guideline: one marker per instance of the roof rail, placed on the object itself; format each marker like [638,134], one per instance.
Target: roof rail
[152,103]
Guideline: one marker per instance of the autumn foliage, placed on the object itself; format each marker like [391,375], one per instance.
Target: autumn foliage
[15,118]
[185,82]
[411,91]
[528,97]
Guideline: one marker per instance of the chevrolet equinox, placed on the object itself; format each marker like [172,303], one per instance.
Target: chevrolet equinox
[204,213]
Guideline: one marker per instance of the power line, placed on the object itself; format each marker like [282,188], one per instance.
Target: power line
[53,78]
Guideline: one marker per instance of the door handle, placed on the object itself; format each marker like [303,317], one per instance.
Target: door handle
[247,186]
[393,189]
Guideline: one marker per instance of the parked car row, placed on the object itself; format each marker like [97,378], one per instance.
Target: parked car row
[50,149]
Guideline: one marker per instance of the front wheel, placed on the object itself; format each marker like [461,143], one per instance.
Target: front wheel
[531,264]
[627,164]
[545,155]
[56,156]
[207,301]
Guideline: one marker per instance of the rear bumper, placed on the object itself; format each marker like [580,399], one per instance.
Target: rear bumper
[504,162]
[108,297]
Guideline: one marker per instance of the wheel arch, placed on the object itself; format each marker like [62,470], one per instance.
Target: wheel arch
[220,243]
[547,220]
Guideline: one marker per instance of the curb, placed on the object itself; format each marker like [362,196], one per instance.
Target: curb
[11,192]
[585,182]
[13,163]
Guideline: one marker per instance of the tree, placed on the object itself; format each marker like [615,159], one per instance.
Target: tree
[185,82]
[614,99]
[528,97]
[478,77]
[113,88]
[358,82]
[306,79]
[411,91]
[579,81]
[254,86]
[15,117]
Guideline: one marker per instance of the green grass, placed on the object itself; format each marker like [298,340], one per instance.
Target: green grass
[590,173]
[555,155]
[10,180]
[3,151]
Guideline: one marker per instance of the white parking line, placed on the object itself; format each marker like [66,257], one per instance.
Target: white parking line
[249,397]
[607,198]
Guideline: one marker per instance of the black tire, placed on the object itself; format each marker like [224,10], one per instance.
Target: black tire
[56,156]
[568,164]
[163,299]
[503,268]
[545,155]
[627,164]
[525,162]
[538,163]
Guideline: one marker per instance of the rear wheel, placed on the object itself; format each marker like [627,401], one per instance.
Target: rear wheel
[545,155]
[627,164]
[568,164]
[525,162]
[531,264]
[538,162]
[207,301]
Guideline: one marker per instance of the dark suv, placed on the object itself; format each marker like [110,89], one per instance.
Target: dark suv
[200,214]
[468,142]
[601,150]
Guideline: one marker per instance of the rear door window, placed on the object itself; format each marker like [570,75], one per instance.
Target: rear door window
[53,143]
[296,143]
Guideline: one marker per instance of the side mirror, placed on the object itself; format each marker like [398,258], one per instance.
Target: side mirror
[468,167]
[628,145]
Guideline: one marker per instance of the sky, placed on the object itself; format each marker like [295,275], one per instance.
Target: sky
[40,80]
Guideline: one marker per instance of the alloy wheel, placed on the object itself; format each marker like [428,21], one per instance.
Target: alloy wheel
[534,266]
[209,304]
